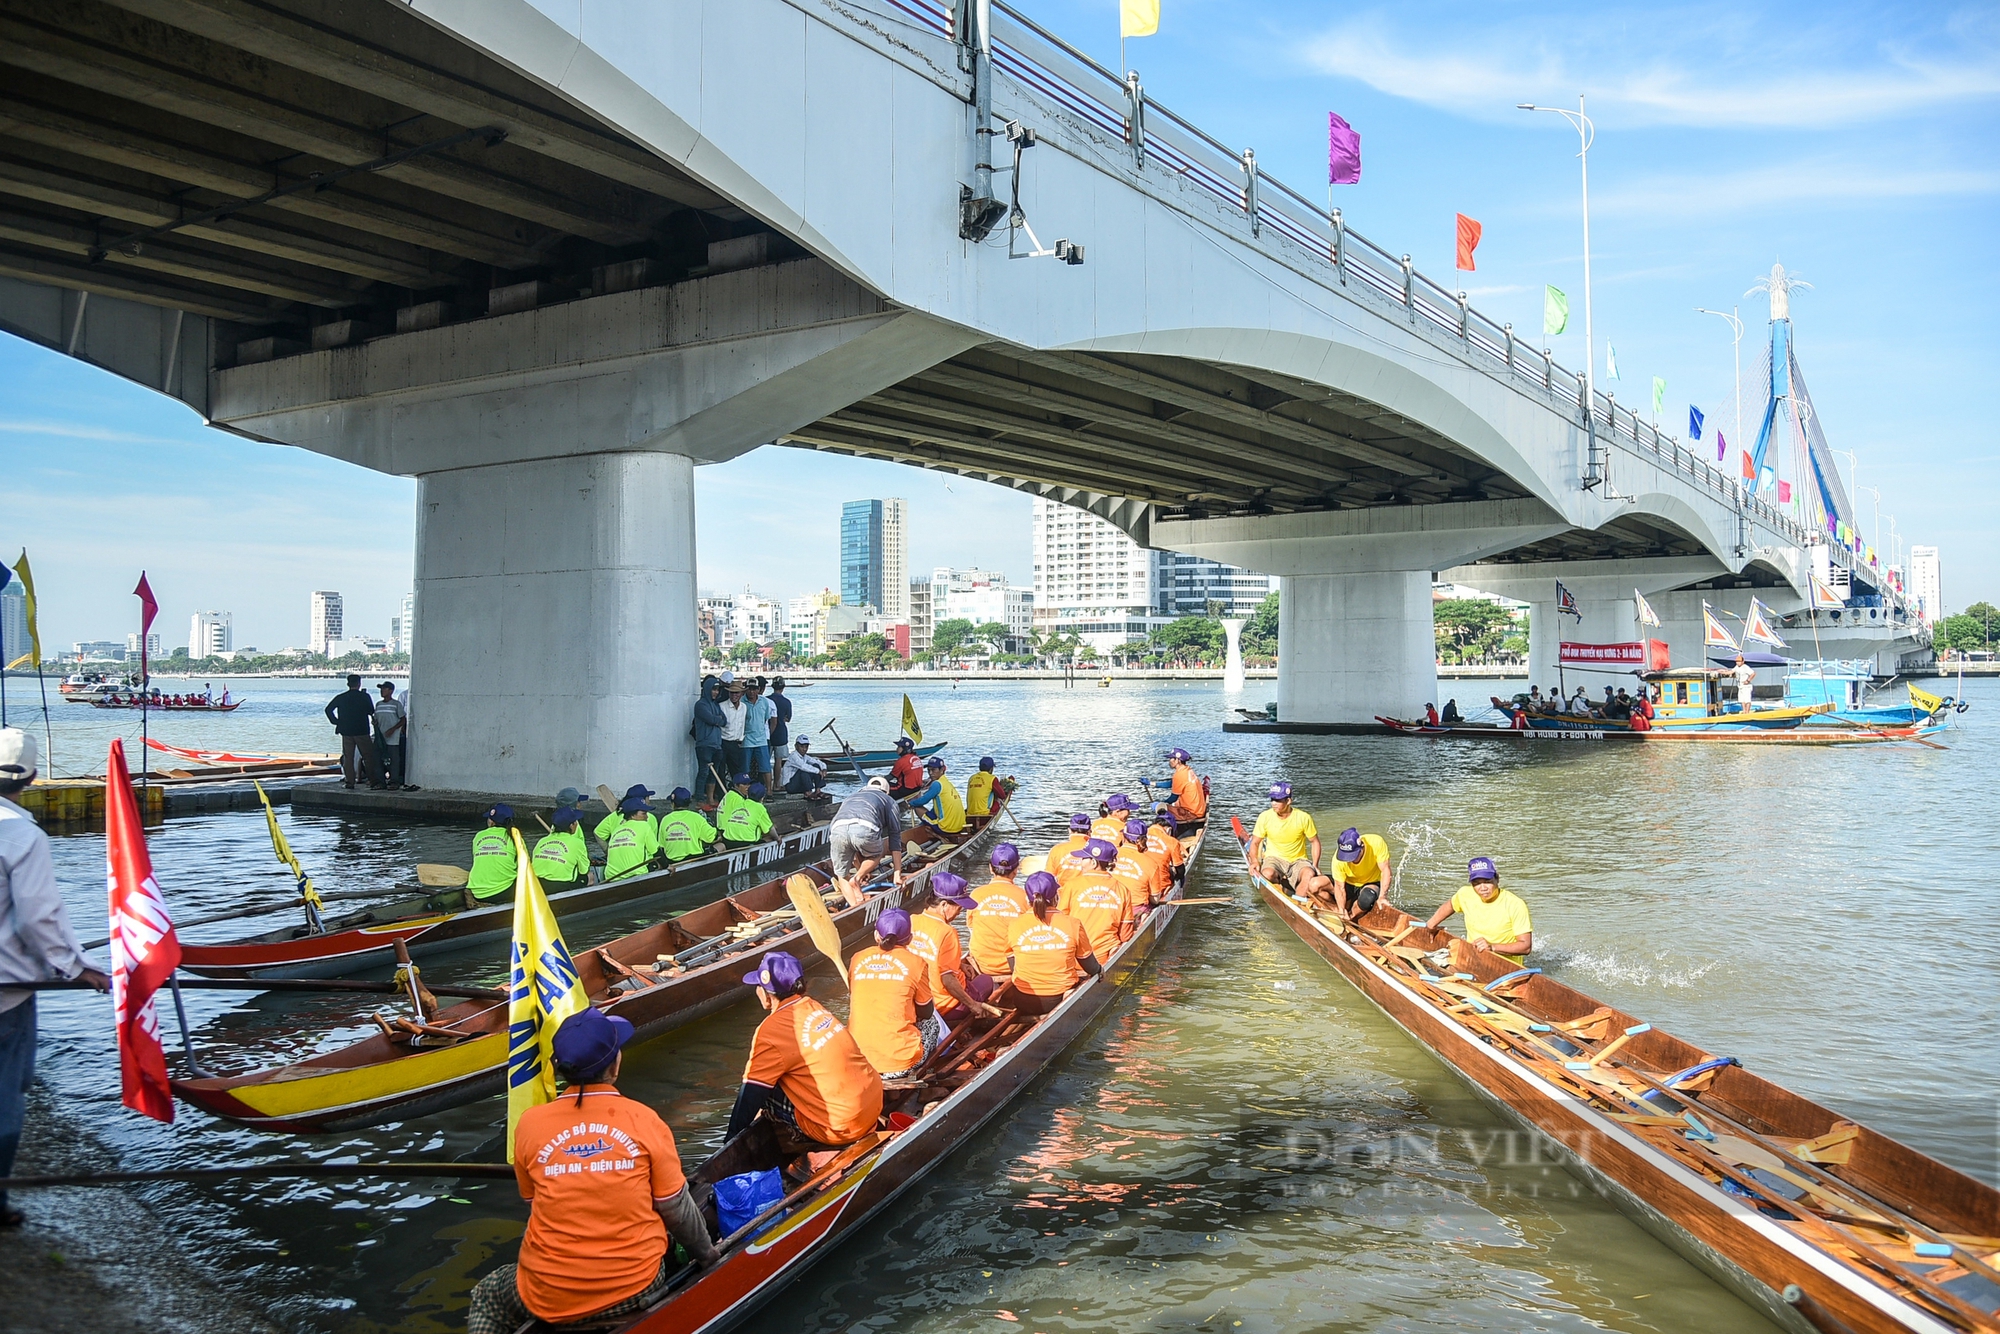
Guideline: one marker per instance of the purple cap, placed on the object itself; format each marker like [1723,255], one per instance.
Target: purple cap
[632,805]
[638,790]
[1005,857]
[1118,801]
[1280,791]
[893,926]
[756,791]
[1482,868]
[1136,831]
[1349,847]
[1166,817]
[588,1040]
[986,762]
[680,794]
[1041,887]
[934,762]
[1100,852]
[1178,754]
[949,888]
[565,816]
[501,812]
[904,743]
[1079,823]
[780,974]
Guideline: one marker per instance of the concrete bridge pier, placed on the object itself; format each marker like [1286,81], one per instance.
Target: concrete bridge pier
[1355,637]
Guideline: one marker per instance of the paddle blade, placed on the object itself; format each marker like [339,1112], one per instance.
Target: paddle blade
[819,922]
[608,797]
[435,876]
[1038,861]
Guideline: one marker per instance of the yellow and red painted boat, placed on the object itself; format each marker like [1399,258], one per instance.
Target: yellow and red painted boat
[659,977]
[1820,1223]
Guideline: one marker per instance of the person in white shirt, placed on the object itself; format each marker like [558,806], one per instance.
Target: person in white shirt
[804,773]
[735,714]
[390,732]
[1746,682]
[37,944]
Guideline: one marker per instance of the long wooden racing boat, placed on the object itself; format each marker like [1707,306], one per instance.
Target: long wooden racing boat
[966,1082]
[367,938]
[1819,1222]
[659,977]
[1490,732]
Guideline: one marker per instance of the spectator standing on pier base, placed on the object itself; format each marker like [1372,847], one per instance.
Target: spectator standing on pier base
[389,733]
[37,944]
[352,714]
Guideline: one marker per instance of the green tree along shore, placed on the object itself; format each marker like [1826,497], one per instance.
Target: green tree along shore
[178,663]
[1974,630]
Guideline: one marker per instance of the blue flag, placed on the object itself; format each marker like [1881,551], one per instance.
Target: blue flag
[1695,420]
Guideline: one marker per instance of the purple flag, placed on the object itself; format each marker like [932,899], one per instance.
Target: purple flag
[1343,152]
[1721,447]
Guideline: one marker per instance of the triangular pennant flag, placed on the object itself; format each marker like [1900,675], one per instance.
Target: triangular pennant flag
[1647,616]
[1823,596]
[915,732]
[1566,602]
[1714,634]
[1757,627]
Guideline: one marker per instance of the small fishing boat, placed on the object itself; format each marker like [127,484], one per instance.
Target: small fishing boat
[1848,688]
[1690,702]
[659,977]
[84,687]
[1818,1222]
[969,1080]
[859,762]
[367,938]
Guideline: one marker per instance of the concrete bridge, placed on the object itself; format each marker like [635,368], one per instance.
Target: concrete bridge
[548,257]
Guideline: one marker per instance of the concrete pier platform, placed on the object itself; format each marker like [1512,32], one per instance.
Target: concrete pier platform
[456,806]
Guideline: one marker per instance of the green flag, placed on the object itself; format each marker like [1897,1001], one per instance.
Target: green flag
[1610,362]
[1659,396]
[1555,312]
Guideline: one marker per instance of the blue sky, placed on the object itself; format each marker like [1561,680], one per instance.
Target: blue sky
[1860,146]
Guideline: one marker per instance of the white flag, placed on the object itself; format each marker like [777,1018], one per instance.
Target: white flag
[1647,616]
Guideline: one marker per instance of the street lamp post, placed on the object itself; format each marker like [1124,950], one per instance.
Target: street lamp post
[1735,323]
[1586,133]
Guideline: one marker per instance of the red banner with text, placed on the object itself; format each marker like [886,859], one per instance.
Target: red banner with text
[1637,655]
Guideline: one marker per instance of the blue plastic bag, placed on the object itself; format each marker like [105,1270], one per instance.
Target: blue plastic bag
[740,1198]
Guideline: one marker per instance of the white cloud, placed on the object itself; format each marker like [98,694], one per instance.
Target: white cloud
[1785,186]
[1696,74]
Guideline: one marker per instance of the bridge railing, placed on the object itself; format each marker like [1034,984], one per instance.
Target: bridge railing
[1320,244]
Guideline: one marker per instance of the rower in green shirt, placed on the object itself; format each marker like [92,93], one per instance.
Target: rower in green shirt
[631,845]
[684,833]
[560,859]
[494,867]
[741,817]
[609,824]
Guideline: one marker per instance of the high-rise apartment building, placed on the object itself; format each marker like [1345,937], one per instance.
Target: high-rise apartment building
[326,622]
[921,620]
[13,622]
[1093,581]
[805,621]
[403,636]
[875,556]
[152,647]
[982,597]
[209,633]
[895,603]
[1927,582]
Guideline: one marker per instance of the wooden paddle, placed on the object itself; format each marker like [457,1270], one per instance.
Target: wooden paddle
[819,922]
[433,875]
[608,797]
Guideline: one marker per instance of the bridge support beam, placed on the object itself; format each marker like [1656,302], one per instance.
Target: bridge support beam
[1355,639]
[556,612]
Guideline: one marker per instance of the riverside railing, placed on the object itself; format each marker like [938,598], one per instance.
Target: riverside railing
[1317,242]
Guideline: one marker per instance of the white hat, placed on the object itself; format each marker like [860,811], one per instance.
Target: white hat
[727,677]
[17,754]
[878,782]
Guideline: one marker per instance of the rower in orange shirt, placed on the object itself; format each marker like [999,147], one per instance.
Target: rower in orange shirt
[806,1074]
[1051,951]
[1163,838]
[1110,826]
[1001,902]
[1102,902]
[1141,868]
[1190,792]
[1068,860]
[890,1009]
[958,995]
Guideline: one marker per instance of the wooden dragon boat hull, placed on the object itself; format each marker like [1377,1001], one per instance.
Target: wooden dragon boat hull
[869,1176]
[462,1054]
[357,941]
[1769,1233]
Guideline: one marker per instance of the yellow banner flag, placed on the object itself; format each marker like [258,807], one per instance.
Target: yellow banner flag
[283,848]
[1924,700]
[1138,18]
[542,991]
[33,657]
[910,727]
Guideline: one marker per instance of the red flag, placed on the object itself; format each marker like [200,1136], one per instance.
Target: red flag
[1749,468]
[144,949]
[1468,241]
[148,609]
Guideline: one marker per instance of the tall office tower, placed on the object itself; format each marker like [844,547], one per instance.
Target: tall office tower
[861,555]
[406,626]
[895,603]
[325,624]
[1926,582]
[13,622]
[209,633]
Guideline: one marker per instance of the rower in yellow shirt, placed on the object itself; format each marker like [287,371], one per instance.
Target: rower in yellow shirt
[1360,875]
[1495,919]
[1284,846]
[979,793]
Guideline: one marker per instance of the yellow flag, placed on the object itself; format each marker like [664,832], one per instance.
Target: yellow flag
[1138,18]
[283,848]
[542,991]
[1925,700]
[910,727]
[33,657]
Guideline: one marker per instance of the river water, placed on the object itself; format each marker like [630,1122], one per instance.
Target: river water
[1244,1142]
